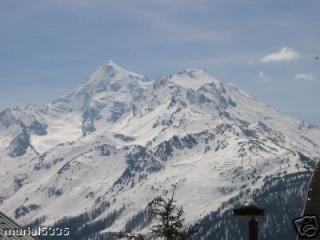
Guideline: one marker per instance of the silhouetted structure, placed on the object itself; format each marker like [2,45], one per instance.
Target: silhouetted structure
[8,227]
[251,212]
[312,203]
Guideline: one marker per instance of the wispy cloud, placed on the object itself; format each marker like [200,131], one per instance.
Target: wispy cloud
[304,76]
[285,54]
[263,76]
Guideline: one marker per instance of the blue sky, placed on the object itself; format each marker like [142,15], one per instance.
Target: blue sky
[267,47]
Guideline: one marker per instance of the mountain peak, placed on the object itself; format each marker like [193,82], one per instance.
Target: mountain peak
[193,78]
[107,73]
[193,70]
[112,65]
[109,70]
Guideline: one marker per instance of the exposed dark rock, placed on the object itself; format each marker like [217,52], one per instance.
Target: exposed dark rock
[52,191]
[19,145]
[115,87]
[38,128]
[106,150]
[7,118]
[88,116]
[124,137]
[117,111]
[24,210]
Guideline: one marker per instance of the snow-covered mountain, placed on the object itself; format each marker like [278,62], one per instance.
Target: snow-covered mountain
[99,154]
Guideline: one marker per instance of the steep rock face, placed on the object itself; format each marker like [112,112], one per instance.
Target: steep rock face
[17,125]
[19,145]
[95,157]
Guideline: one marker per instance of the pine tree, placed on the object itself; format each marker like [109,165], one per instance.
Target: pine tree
[169,222]
[169,217]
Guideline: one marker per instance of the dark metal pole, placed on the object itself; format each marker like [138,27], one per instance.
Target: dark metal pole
[251,212]
[253,229]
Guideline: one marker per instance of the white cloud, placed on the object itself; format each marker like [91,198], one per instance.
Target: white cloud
[263,76]
[285,54]
[304,76]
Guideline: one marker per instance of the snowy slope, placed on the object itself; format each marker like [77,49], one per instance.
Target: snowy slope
[119,140]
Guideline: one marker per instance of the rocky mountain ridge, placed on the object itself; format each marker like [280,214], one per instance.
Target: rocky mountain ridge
[120,139]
